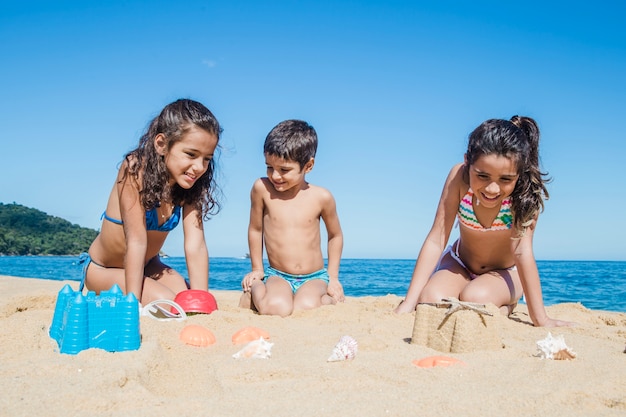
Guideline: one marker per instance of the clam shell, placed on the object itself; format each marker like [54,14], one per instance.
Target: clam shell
[432,361]
[196,335]
[345,349]
[249,334]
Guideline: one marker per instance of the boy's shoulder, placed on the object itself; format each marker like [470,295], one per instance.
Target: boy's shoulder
[320,194]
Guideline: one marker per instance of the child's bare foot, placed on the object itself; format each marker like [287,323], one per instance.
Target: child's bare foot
[403,307]
[328,300]
[508,309]
[246,300]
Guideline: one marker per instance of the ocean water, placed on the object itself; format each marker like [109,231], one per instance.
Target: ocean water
[599,285]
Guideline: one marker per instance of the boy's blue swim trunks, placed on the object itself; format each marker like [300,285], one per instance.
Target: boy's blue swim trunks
[296,281]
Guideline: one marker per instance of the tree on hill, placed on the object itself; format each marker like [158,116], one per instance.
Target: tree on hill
[28,231]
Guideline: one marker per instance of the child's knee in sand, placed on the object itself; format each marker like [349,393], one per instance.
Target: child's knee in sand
[272,297]
[443,286]
[275,306]
[311,295]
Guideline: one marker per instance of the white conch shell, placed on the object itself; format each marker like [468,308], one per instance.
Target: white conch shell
[346,348]
[554,348]
[260,349]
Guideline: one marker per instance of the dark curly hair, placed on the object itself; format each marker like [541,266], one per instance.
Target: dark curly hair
[173,122]
[517,139]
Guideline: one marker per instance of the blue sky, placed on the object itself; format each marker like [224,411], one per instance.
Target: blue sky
[393,89]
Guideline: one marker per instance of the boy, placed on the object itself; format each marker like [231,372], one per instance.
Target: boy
[285,216]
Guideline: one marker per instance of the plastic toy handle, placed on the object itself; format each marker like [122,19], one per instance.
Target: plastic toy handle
[154,310]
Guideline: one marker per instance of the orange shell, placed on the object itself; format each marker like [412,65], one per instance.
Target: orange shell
[248,334]
[195,335]
[432,361]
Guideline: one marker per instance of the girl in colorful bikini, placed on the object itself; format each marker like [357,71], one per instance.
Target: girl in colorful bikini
[496,195]
[168,177]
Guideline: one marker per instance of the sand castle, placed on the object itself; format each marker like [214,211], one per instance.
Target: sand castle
[455,326]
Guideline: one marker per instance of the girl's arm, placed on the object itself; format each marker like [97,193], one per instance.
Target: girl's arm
[529,276]
[335,246]
[255,235]
[133,215]
[436,239]
[196,253]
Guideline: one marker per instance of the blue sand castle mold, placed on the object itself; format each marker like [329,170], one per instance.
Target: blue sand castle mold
[109,321]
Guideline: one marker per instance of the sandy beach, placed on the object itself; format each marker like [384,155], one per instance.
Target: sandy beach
[166,377]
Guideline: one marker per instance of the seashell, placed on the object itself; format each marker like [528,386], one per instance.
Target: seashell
[346,348]
[260,349]
[564,354]
[432,361]
[248,334]
[196,335]
[554,348]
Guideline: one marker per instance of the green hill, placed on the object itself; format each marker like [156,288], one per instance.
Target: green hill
[28,231]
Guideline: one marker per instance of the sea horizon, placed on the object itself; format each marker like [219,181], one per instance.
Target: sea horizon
[598,285]
[166,256]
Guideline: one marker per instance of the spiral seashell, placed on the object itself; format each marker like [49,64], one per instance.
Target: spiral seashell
[260,349]
[554,348]
[345,349]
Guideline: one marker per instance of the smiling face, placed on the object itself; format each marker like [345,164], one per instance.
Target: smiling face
[188,159]
[493,178]
[285,174]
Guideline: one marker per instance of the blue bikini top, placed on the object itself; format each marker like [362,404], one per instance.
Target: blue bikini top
[152,220]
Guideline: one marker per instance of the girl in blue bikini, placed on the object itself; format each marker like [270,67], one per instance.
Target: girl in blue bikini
[496,196]
[168,177]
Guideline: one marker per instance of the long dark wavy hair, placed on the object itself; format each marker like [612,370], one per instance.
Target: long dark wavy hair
[173,122]
[517,139]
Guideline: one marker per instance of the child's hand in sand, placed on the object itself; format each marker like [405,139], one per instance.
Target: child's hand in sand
[250,277]
[335,290]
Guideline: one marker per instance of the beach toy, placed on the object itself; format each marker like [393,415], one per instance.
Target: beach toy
[554,348]
[432,361]
[196,335]
[155,310]
[345,349]
[195,301]
[108,321]
[248,334]
[259,349]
